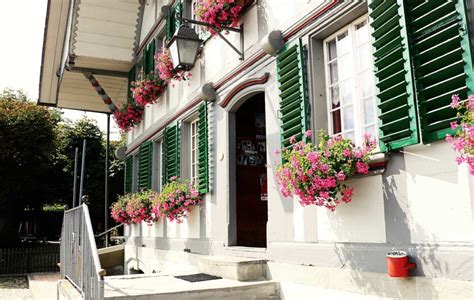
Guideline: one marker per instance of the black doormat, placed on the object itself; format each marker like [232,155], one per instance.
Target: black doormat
[198,277]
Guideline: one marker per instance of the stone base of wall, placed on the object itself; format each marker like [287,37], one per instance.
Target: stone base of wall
[295,277]
[309,278]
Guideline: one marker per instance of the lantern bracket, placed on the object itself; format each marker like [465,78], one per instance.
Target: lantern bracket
[239,30]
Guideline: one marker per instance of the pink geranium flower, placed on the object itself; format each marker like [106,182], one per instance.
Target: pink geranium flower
[316,174]
[176,198]
[463,140]
[218,13]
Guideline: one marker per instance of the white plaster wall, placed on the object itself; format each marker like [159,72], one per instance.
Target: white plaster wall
[219,213]
[280,14]
[361,220]
[149,18]
[280,210]
[148,117]
[153,230]
[438,195]
[188,229]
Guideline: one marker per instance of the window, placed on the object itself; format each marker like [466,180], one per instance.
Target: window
[194,151]
[350,82]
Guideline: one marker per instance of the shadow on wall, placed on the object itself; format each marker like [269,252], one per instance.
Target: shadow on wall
[364,258]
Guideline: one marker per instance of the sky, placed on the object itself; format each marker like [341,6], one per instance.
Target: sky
[21,35]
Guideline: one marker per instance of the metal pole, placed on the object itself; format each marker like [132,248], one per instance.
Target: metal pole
[74,185]
[83,165]
[106,208]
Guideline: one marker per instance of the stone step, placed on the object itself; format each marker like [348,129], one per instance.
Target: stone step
[167,287]
[231,267]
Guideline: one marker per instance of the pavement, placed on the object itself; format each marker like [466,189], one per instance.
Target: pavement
[42,286]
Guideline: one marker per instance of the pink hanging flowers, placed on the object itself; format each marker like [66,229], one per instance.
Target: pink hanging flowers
[165,69]
[317,174]
[463,140]
[128,116]
[147,90]
[220,13]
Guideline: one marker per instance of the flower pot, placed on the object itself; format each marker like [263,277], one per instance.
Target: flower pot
[398,264]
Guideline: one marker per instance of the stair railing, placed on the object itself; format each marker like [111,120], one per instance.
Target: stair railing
[79,261]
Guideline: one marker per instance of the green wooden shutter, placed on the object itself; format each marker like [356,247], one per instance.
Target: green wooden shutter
[394,80]
[294,105]
[442,59]
[145,165]
[171,153]
[172,22]
[151,57]
[131,77]
[144,59]
[203,150]
[128,174]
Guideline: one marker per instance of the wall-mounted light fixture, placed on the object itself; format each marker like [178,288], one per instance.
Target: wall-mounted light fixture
[184,47]
[207,92]
[272,42]
[187,37]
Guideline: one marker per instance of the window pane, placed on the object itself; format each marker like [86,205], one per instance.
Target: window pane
[345,67]
[336,121]
[350,135]
[366,84]
[335,95]
[333,72]
[348,117]
[369,110]
[370,130]
[362,33]
[364,58]
[343,43]
[346,92]
[332,51]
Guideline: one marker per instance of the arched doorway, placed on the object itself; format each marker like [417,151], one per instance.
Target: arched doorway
[249,142]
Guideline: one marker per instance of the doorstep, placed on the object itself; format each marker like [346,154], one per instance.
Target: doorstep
[170,287]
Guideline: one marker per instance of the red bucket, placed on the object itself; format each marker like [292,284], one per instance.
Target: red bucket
[398,264]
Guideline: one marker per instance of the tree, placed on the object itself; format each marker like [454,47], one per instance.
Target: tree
[37,162]
[27,132]
[70,136]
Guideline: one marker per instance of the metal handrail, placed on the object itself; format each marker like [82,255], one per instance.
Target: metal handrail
[109,230]
[80,262]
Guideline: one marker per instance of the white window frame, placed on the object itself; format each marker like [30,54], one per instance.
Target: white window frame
[357,103]
[193,150]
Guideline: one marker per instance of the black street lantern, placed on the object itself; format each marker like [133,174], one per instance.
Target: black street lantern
[184,47]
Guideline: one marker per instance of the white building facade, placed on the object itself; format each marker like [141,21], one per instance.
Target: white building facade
[387,68]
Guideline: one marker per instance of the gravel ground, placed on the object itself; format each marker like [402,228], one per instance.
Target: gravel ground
[14,287]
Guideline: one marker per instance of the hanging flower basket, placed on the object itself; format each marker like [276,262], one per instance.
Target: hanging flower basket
[176,200]
[221,13]
[165,69]
[139,207]
[463,140]
[129,115]
[316,173]
[147,90]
